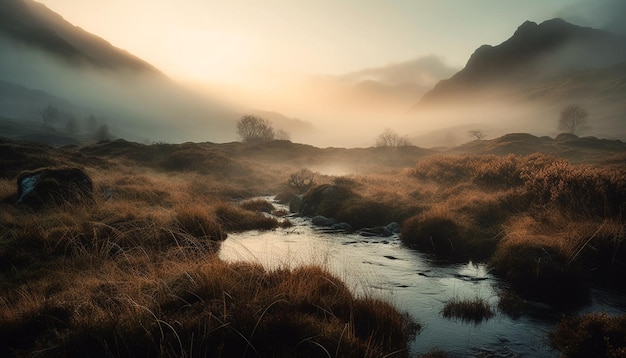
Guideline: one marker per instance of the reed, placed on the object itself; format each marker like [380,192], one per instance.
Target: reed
[473,310]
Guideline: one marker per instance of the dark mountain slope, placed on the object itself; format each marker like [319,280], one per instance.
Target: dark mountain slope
[533,55]
[31,23]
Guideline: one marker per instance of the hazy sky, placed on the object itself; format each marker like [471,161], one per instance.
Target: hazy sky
[247,42]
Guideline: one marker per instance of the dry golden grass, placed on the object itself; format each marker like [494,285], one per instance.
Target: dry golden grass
[135,271]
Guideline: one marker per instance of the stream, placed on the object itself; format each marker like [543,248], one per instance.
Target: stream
[415,283]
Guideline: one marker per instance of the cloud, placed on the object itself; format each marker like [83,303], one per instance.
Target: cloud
[423,71]
[607,15]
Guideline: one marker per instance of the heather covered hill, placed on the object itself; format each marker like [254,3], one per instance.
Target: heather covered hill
[568,146]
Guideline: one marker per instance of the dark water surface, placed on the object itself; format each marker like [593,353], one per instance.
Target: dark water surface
[415,283]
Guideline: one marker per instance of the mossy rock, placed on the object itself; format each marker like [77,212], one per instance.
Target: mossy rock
[55,186]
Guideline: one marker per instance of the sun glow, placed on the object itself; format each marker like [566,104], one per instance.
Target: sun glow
[205,55]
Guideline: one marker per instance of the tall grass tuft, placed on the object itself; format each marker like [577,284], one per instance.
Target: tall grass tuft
[235,218]
[473,310]
[196,221]
[592,335]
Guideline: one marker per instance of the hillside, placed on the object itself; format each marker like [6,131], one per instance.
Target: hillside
[534,54]
[522,84]
[32,23]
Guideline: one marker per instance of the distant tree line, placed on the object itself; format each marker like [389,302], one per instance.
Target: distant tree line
[55,117]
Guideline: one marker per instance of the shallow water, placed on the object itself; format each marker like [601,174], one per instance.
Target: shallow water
[414,283]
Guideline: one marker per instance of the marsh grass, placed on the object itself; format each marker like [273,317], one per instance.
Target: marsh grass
[261,205]
[473,310]
[136,273]
[544,224]
[233,217]
[511,304]
[590,335]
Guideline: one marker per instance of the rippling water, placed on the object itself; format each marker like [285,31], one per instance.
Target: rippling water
[414,283]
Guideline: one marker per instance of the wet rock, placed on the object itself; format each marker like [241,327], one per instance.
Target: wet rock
[378,231]
[320,220]
[394,227]
[295,204]
[342,227]
[54,186]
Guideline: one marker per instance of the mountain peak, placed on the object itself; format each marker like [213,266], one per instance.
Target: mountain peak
[535,52]
[526,26]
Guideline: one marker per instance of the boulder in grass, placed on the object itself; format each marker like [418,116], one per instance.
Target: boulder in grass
[54,186]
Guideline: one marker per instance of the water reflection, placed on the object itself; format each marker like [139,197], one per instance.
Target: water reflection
[413,282]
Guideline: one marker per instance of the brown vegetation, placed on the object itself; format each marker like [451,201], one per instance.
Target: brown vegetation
[592,335]
[470,310]
[134,272]
[543,223]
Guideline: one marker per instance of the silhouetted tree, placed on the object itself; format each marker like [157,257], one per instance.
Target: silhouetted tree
[389,138]
[102,133]
[71,125]
[91,124]
[50,114]
[573,119]
[254,129]
[476,133]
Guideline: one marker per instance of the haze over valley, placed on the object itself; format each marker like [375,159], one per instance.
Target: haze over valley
[518,83]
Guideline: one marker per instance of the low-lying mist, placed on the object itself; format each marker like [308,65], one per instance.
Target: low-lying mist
[350,110]
[135,105]
[358,121]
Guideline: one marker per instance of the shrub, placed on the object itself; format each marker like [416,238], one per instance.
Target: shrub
[254,129]
[592,335]
[302,180]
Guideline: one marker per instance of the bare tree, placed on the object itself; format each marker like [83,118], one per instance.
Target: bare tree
[102,133]
[71,125]
[573,119]
[389,138]
[91,123]
[302,180]
[50,114]
[476,133]
[254,129]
